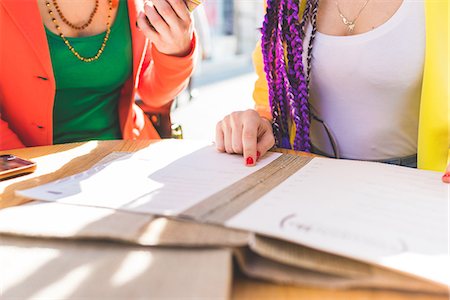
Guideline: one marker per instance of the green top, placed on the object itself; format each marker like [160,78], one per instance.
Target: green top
[87,94]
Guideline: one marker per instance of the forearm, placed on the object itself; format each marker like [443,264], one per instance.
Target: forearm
[163,76]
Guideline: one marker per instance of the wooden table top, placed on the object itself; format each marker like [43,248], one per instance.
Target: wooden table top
[69,159]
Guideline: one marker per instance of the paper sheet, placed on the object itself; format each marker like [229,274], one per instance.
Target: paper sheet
[383,214]
[165,178]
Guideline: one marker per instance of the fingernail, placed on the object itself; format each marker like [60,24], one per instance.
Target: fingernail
[446,177]
[250,161]
[258,155]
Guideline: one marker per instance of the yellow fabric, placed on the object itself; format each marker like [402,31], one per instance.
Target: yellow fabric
[434,138]
[434,133]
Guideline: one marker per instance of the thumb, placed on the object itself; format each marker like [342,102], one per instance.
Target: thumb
[266,140]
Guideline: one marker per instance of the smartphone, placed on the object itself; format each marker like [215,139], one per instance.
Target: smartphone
[13,166]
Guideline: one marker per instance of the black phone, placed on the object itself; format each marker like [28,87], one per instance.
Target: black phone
[13,166]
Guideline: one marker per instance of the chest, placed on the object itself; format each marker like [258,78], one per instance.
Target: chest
[77,18]
[391,56]
[106,73]
[336,16]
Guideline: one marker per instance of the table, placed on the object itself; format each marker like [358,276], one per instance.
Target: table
[58,161]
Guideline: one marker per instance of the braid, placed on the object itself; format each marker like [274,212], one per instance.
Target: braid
[294,47]
[268,49]
[284,88]
[303,135]
[288,85]
[299,108]
[275,68]
[313,36]
[305,18]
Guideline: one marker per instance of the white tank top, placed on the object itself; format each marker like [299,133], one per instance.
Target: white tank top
[367,87]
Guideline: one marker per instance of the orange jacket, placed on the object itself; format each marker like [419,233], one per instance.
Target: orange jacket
[27,84]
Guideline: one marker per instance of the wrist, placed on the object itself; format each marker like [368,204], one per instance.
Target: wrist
[187,51]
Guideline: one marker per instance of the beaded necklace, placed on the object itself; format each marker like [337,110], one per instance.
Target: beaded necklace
[66,41]
[64,19]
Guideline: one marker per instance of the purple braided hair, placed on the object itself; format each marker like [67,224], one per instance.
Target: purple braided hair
[284,90]
[273,62]
[288,83]
[313,36]
[267,45]
[294,38]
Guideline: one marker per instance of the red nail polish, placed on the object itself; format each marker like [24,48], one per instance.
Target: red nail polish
[250,161]
[446,178]
[258,155]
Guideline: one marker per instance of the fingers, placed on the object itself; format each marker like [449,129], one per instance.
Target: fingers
[166,12]
[246,133]
[155,18]
[227,135]
[170,11]
[249,142]
[236,132]
[180,8]
[170,26]
[266,140]
[232,127]
[144,25]
[220,145]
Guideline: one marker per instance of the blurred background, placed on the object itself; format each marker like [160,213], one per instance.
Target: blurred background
[223,81]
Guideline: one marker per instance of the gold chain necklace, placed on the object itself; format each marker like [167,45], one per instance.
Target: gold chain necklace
[63,18]
[350,23]
[71,48]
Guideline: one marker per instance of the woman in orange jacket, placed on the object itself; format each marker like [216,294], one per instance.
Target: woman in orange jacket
[69,70]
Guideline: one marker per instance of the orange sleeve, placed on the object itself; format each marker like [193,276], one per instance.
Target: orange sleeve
[163,76]
[8,139]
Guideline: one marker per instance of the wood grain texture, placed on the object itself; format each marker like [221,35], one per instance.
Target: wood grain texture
[58,161]
[245,288]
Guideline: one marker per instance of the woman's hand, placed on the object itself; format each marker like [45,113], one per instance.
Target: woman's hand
[245,132]
[446,177]
[168,25]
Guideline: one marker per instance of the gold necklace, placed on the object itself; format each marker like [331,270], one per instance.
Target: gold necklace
[350,23]
[71,48]
[63,18]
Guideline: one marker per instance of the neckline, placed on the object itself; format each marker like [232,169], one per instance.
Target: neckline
[88,37]
[394,19]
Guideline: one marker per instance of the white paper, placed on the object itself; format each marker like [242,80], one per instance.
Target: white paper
[165,178]
[383,214]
